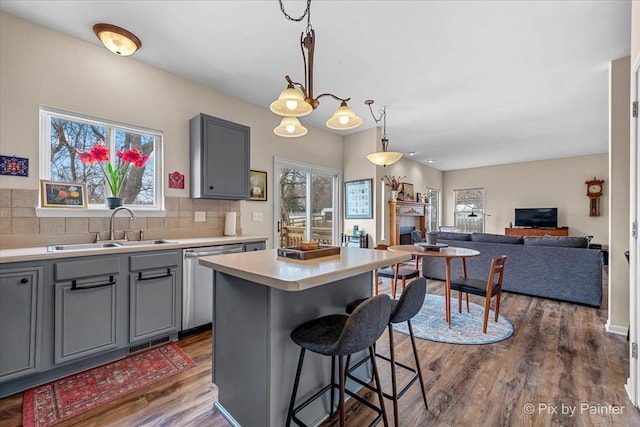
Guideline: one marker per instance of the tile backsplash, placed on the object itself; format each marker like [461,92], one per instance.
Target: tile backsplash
[20,227]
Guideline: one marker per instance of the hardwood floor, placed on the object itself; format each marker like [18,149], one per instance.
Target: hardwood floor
[558,359]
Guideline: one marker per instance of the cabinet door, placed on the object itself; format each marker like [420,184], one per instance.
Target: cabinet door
[85,317]
[220,153]
[254,246]
[153,303]
[20,308]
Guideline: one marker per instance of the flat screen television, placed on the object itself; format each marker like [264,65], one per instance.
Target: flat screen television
[537,217]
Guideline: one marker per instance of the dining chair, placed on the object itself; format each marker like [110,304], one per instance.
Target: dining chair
[404,273]
[488,289]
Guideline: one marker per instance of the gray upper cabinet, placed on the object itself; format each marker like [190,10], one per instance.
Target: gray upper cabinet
[20,311]
[220,152]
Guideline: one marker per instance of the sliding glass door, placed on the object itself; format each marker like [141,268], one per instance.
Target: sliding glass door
[307,204]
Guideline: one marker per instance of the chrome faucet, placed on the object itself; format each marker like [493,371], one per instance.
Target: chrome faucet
[112,234]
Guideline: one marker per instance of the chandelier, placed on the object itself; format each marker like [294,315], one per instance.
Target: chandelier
[297,99]
[384,157]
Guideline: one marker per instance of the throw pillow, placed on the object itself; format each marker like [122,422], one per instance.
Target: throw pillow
[565,242]
[495,238]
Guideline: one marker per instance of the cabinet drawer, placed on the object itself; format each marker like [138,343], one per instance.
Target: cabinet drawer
[153,260]
[94,266]
[254,246]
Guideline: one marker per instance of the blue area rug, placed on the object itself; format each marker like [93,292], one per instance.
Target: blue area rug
[466,327]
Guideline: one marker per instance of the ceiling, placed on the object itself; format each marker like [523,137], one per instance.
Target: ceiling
[466,83]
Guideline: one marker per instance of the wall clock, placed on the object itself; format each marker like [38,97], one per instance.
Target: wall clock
[594,192]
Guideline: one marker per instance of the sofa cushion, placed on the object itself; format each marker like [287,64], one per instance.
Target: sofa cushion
[443,235]
[565,242]
[495,238]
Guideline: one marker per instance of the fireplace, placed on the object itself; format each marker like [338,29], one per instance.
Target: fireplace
[405,235]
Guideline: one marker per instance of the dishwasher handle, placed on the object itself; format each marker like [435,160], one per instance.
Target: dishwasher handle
[209,253]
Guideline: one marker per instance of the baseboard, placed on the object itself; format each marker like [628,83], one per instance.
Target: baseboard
[616,329]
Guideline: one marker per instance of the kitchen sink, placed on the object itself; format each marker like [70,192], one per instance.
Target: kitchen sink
[145,242]
[82,246]
[105,245]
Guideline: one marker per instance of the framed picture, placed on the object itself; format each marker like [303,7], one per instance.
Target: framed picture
[54,194]
[407,189]
[258,186]
[358,200]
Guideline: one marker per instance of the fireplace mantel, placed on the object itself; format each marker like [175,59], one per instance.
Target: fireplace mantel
[398,210]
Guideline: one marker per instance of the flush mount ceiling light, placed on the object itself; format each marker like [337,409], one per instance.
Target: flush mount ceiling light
[384,157]
[116,39]
[297,99]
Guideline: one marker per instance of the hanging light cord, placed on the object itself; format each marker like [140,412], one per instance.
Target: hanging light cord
[383,117]
[307,13]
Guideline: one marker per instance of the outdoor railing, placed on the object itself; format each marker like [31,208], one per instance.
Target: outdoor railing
[291,236]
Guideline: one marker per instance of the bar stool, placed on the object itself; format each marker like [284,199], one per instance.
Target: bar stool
[340,335]
[405,309]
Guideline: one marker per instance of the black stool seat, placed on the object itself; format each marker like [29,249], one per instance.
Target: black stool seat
[320,335]
[473,286]
[339,335]
[403,310]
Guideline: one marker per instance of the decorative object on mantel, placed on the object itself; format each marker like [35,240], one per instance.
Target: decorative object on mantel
[407,189]
[76,394]
[394,184]
[384,157]
[117,40]
[176,180]
[594,192]
[14,166]
[115,177]
[293,103]
[55,194]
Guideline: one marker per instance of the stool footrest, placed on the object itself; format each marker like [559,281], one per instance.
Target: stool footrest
[401,392]
[335,386]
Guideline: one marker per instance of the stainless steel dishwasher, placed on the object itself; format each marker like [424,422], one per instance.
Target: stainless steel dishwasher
[197,285]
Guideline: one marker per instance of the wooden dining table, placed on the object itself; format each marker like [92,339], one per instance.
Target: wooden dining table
[447,253]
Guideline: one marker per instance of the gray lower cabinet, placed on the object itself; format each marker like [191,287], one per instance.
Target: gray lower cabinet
[154,295]
[20,320]
[86,307]
[255,246]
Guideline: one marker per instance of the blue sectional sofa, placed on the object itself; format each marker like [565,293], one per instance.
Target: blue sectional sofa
[560,268]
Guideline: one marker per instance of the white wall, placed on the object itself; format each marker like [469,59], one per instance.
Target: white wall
[619,122]
[558,183]
[40,66]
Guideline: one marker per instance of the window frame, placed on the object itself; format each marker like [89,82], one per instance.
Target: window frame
[97,210]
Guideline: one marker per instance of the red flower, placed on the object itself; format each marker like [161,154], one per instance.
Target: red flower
[115,176]
[133,156]
[97,153]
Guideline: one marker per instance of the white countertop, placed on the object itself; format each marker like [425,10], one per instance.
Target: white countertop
[40,252]
[267,268]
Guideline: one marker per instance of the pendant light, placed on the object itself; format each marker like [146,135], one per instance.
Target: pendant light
[117,40]
[297,99]
[384,157]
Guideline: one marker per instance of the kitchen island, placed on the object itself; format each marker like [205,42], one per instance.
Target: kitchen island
[259,298]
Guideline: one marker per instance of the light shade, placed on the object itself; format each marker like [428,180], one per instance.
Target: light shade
[291,103]
[384,158]
[344,118]
[290,127]
[116,39]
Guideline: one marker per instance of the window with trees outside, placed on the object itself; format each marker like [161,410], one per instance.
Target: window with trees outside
[469,210]
[67,138]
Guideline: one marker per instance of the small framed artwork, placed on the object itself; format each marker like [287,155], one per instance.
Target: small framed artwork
[54,194]
[407,189]
[258,186]
[358,200]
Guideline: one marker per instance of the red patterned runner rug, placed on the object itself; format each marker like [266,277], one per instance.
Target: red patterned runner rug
[67,397]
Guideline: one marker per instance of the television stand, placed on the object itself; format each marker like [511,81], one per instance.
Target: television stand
[530,231]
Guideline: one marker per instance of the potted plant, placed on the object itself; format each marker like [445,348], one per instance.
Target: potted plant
[115,176]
